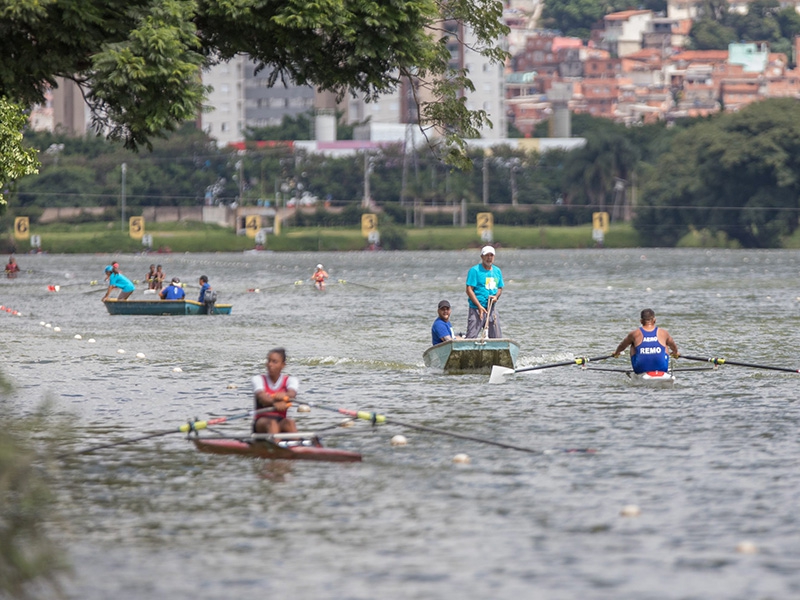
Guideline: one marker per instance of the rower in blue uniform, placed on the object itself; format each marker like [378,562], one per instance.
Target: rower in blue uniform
[649,345]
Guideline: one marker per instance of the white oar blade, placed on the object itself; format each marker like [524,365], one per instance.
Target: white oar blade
[499,374]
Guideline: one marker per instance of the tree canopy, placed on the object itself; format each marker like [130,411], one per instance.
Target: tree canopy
[15,159]
[138,62]
[738,173]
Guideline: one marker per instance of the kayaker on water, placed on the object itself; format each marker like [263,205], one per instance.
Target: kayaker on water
[484,281]
[649,345]
[442,329]
[118,280]
[150,278]
[159,279]
[276,391]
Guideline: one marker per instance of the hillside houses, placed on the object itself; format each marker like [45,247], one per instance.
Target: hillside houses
[634,70]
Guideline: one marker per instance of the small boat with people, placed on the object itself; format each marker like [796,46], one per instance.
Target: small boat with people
[476,355]
[162,307]
[291,446]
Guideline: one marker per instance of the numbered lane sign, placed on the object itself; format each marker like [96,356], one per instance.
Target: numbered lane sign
[252,223]
[147,240]
[485,222]
[369,224]
[22,228]
[600,221]
[36,241]
[136,227]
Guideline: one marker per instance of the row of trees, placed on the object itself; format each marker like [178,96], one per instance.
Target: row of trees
[733,173]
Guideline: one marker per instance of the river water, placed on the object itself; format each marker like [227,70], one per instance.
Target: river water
[712,464]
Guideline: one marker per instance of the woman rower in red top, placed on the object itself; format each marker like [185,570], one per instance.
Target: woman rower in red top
[319,277]
[274,391]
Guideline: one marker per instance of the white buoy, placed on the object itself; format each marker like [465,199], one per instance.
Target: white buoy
[177,370]
[232,386]
[399,440]
[304,408]
[57,288]
[90,341]
[78,336]
[42,323]
[648,289]
[120,351]
[630,510]
[746,547]
[608,287]
[346,423]
[257,291]
[140,355]
[462,459]
[48,325]
[57,329]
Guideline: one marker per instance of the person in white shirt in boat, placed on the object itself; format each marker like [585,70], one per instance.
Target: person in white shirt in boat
[274,391]
[649,345]
[484,283]
[442,329]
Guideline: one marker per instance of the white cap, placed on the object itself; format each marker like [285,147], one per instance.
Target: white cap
[487,250]
[319,266]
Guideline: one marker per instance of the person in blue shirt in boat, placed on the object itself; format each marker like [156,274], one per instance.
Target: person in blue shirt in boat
[273,393]
[649,345]
[484,285]
[442,330]
[118,280]
[173,291]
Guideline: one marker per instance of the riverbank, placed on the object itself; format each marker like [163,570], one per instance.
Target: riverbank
[197,237]
[107,237]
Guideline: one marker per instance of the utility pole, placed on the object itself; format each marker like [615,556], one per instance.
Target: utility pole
[122,219]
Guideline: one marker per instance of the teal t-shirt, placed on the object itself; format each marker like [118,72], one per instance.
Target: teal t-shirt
[484,282]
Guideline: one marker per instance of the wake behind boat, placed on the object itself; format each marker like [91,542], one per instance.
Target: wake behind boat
[162,307]
[472,355]
[291,446]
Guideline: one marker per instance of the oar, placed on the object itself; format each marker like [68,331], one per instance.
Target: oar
[723,361]
[498,372]
[185,428]
[375,418]
[485,330]
[343,282]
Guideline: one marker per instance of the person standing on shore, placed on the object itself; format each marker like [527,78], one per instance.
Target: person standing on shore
[484,286]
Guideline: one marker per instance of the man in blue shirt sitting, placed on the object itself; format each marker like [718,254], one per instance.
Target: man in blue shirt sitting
[173,291]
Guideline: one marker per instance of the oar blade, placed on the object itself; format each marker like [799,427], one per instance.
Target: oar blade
[499,374]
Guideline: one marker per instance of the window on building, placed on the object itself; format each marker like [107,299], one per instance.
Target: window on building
[224,127]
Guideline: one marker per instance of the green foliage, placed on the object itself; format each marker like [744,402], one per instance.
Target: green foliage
[27,556]
[15,160]
[138,62]
[393,237]
[737,174]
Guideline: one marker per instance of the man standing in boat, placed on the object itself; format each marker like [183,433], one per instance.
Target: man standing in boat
[649,345]
[484,286]
[273,396]
[442,330]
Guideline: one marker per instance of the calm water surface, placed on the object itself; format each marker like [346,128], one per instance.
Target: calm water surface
[711,463]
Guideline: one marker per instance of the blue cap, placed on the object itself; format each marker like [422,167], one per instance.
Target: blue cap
[109,268]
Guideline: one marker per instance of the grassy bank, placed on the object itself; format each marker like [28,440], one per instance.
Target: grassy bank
[107,237]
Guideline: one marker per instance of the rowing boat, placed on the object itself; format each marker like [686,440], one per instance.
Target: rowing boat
[652,378]
[291,446]
[472,355]
[162,307]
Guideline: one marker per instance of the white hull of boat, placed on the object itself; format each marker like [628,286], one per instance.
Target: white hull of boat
[653,379]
